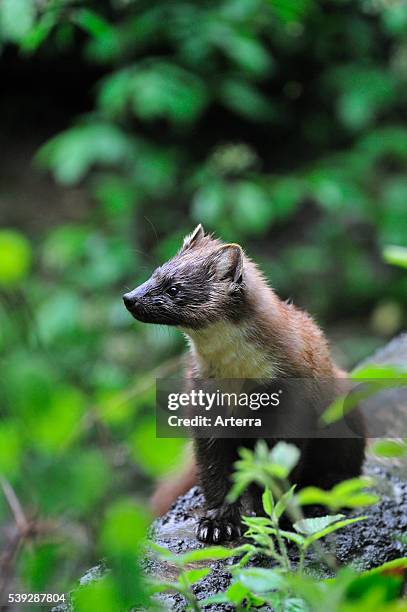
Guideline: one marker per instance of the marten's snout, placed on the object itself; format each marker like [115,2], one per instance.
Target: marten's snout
[131,300]
[135,300]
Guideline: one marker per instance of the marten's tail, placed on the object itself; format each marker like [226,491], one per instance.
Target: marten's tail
[169,489]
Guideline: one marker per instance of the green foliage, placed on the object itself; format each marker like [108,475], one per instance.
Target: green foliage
[263,466]
[153,91]
[350,591]
[73,153]
[347,494]
[312,526]
[307,530]
[99,595]
[335,145]
[154,455]
[76,422]
[17,18]
[276,124]
[396,256]
[373,379]
[286,586]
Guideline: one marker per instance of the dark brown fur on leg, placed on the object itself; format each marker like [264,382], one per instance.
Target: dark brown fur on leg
[215,458]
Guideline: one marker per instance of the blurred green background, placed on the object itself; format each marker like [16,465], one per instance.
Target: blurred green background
[279,124]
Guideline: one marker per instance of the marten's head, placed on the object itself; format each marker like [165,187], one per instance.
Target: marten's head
[203,284]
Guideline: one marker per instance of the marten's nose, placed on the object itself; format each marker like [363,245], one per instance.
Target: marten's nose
[129,300]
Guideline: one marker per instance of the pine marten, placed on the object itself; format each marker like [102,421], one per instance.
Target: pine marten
[237,327]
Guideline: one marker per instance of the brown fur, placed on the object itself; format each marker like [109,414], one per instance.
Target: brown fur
[237,327]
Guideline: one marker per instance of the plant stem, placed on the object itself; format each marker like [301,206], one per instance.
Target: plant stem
[245,559]
[295,513]
[283,549]
[188,593]
[301,561]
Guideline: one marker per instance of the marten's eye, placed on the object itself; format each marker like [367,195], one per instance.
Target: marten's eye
[172,291]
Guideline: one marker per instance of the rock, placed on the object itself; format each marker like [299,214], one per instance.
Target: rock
[394,352]
[386,412]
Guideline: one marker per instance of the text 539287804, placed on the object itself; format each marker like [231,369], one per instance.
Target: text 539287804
[36,598]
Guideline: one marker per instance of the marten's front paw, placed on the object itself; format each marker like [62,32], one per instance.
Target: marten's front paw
[215,530]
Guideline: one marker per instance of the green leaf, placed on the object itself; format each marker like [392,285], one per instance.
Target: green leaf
[283,458]
[373,379]
[313,495]
[38,564]
[16,19]
[56,428]
[236,593]
[284,502]
[291,10]
[218,598]
[395,18]
[332,528]
[311,526]
[162,552]
[208,203]
[152,453]
[90,479]
[65,245]
[15,258]
[246,100]
[396,564]
[364,92]
[292,537]
[352,485]
[213,553]
[265,537]
[295,604]
[93,23]
[385,588]
[241,483]
[286,195]
[194,575]
[33,39]
[268,502]
[378,371]
[158,586]
[248,52]
[124,527]
[389,448]
[101,595]
[116,195]
[260,580]
[115,93]
[252,207]
[71,154]
[347,494]
[11,448]
[337,409]
[396,255]
[58,317]
[30,383]
[159,89]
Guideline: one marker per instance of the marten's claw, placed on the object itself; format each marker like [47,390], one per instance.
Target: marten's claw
[213,531]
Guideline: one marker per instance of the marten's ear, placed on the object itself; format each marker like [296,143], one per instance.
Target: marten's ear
[229,262]
[193,239]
